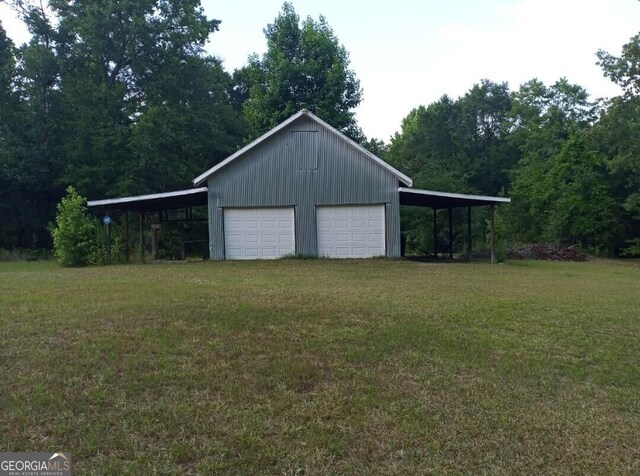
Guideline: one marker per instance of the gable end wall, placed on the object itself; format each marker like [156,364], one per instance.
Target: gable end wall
[304,166]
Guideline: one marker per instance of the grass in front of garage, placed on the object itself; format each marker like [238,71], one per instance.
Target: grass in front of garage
[321,366]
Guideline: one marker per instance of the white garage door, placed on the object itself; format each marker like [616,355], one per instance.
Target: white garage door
[258,233]
[355,231]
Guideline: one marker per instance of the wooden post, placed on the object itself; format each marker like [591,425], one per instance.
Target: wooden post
[435,234]
[126,235]
[142,236]
[469,237]
[451,233]
[155,228]
[492,231]
[183,256]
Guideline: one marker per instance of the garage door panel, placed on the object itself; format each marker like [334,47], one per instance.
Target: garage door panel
[359,223]
[234,239]
[356,231]
[233,225]
[234,253]
[258,233]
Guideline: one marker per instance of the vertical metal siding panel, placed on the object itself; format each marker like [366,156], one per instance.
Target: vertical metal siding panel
[393,227]
[216,230]
[211,224]
[269,175]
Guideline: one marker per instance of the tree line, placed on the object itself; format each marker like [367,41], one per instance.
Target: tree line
[570,164]
[120,98]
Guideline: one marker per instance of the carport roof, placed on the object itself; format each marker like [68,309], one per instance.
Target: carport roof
[155,201]
[198,196]
[432,199]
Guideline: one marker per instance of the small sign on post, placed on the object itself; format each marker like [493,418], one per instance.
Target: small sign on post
[107,222]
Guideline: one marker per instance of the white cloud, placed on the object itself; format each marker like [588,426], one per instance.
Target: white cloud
[547,39]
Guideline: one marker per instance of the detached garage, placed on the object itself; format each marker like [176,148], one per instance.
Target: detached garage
[303,188]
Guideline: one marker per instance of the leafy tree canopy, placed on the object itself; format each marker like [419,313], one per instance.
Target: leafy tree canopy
[113,97]
[624,70]
[304,67]
[618,134]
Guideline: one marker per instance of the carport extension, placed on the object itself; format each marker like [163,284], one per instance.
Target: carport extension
[449,201]
[157,202]
[187,199]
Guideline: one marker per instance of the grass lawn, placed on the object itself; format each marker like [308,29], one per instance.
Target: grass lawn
[324,367]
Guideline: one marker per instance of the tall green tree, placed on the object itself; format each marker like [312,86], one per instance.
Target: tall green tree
[428,147]
[483,134]
[459,145]
[618,134]
[114,97]
[147,103]
[572,199]
[305,66]
[8,116]
[178,137]
[30,117]
[455,146]
[624,70]
[543,118]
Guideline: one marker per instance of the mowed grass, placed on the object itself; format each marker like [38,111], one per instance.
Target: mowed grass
[324,367]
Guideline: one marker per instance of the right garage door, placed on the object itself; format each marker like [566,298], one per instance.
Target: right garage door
[351,231]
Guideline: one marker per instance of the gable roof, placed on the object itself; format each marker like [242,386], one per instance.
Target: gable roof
[401,177]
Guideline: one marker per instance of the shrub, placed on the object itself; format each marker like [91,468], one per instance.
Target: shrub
[633,249]
[74,233]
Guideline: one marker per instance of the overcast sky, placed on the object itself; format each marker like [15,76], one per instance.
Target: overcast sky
[408,53]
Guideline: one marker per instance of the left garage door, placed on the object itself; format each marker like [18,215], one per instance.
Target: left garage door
[258,233]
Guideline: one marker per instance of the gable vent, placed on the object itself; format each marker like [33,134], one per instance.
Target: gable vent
[304,149]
